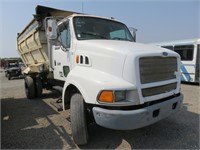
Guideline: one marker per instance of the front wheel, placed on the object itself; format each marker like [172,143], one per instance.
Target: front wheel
[78,119]
[9,76]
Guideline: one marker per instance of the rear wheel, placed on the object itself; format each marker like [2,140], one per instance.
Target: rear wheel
[38,86]
[78,119]
[29,87]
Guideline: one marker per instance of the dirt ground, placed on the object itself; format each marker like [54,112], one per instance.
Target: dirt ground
[35,124]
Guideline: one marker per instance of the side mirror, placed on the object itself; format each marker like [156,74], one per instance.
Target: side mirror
[133,32]
[51,29]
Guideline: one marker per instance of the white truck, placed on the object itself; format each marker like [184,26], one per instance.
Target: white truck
[105,76]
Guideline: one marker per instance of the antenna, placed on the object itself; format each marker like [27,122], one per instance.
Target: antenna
[82,7]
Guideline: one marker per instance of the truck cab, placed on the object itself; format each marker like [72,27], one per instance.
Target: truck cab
[106,77]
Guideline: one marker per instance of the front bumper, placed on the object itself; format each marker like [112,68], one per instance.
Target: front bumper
[15,73]
[133,119]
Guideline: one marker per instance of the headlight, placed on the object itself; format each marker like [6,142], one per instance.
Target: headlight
[120,95]
[112,96]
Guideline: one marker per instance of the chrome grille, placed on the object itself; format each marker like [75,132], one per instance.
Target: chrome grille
[155,69]
[158,89]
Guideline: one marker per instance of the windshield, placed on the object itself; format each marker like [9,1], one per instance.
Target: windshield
[87,28]
[12,65]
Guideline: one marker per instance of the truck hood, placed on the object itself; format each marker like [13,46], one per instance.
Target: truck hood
[109,56]
[122,47]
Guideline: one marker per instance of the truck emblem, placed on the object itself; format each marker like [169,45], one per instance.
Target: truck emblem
[165,53]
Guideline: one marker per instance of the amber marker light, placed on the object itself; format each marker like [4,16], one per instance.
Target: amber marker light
[77,59]
[106,96]
[49,29]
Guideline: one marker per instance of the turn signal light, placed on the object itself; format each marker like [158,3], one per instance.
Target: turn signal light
[106,96]
[77,59]
[49,29]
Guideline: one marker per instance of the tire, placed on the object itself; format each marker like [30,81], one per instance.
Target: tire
[29,87]
[9,76]
[78,119]
[38,86]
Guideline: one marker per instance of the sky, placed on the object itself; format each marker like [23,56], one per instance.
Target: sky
[156,20]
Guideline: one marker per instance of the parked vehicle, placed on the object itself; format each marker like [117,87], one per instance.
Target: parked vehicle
[105,76]
[13,70]
[190,58]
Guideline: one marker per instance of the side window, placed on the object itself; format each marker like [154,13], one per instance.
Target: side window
[64,34]
[185,51]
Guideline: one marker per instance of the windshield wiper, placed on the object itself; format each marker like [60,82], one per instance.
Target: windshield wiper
[118,38]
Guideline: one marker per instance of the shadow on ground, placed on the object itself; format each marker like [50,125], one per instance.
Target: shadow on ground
[30,126]
[190,83]
[175,132]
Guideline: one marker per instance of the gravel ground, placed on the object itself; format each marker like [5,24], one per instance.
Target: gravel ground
[35,124]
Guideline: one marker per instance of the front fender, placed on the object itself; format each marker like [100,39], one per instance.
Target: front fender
[90,82]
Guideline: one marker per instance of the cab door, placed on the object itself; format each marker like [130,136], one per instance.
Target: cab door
[61,52]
